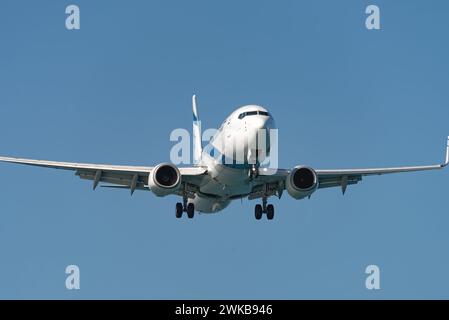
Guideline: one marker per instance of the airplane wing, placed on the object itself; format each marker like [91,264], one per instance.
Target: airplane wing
[345,177]
[129,177]
[342,177]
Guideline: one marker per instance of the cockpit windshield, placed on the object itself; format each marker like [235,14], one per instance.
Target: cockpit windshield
[253,113]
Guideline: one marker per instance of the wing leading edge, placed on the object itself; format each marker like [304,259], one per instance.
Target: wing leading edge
[345,177]
[130,177]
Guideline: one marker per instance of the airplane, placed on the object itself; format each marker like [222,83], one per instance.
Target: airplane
[211,184]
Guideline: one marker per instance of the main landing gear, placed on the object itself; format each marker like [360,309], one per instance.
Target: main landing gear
[184,207]
[259,210]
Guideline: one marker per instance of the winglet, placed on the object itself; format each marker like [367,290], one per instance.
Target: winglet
[447,154]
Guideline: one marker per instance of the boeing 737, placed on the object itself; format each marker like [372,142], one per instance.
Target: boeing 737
[211,184]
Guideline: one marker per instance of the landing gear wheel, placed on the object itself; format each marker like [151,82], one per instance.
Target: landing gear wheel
[270,212]
[190,210]
[179,210]
[258,211]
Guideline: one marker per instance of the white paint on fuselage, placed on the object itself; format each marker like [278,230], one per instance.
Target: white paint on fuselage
[230,180]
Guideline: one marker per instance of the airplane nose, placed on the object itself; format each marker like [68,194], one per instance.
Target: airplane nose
[260,122]
[258,138]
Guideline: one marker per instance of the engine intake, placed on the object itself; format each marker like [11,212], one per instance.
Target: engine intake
[301,182]
[164,179]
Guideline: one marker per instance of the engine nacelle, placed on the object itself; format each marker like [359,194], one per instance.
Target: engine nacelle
[301,182]
[164,179]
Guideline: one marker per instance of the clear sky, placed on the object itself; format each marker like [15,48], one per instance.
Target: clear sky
[112,92]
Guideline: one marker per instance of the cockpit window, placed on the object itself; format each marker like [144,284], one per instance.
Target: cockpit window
[253,113]
[242,115]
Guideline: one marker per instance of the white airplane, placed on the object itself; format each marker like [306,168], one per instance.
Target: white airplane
[210,185]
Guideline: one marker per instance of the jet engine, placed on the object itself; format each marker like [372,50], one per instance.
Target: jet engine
[301,182]
[164,179]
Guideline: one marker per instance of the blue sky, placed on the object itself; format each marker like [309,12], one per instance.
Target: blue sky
[112,92]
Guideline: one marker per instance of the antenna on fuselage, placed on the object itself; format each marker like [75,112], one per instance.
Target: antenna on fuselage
[197,145]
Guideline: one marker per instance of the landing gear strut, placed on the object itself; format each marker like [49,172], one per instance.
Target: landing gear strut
[189,208]
[259,210]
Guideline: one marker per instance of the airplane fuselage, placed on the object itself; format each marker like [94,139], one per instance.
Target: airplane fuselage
[233,152]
